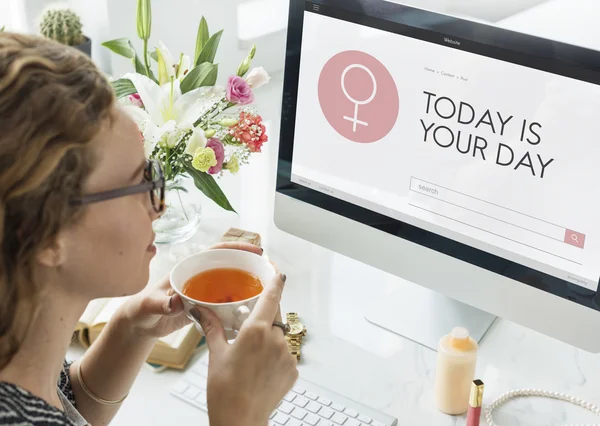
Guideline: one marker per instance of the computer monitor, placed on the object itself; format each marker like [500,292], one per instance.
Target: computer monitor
[456,155]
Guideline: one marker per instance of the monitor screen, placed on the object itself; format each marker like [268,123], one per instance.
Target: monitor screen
[474,141]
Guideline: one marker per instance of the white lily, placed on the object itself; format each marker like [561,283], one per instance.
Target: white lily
[183,66]
[166,64]
[216,90]
[166,109]
[197,140]
[168,68]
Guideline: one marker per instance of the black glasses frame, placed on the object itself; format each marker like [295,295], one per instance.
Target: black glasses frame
[150,186]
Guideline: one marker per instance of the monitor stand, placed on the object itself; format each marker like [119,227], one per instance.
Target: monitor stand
[424,316]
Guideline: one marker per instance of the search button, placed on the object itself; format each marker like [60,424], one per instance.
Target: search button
[573,238]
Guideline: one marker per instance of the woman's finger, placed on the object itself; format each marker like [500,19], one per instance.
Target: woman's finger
[175,305]
[267,306]
[238,245]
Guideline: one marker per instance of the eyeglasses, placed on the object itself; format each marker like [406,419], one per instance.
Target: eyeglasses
[154,183]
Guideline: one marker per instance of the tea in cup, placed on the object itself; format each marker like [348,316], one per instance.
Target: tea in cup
[228,282]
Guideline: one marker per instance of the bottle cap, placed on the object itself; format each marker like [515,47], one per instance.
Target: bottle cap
[476,396]
[459,339]
[460,333]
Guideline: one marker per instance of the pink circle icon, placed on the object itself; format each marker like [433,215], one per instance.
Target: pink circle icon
[358,96]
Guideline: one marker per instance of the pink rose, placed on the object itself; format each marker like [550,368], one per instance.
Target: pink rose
[239,91]
[216,145]
[136,100]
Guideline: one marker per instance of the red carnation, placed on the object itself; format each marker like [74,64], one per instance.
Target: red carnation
[250,131]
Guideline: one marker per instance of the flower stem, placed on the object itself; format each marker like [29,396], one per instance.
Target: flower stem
[168,170]
[208,115]
[182,207]
[146,57]
[171,100]
[229,105]
[175,150]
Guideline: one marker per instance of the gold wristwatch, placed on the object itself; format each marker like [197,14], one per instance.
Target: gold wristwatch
[295,335]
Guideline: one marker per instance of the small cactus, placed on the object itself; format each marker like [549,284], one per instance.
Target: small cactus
[62,25]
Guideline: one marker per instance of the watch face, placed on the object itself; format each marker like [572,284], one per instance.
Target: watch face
[296,328]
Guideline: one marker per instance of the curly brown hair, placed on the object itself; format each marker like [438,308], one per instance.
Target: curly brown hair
[53,101]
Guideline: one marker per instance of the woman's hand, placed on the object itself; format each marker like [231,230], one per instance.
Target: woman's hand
[248,378]
[156,311]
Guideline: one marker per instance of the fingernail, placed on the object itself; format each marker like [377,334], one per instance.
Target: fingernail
[283,277]
[195,313]
[262,250]
[171,303]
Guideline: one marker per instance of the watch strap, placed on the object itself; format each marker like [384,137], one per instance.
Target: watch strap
[293,342]
[294,346]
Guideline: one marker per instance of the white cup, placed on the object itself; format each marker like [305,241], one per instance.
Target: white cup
[232,314]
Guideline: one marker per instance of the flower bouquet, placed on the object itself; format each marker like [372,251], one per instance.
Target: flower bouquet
[193,127]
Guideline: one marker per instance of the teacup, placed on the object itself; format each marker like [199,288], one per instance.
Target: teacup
[233,314]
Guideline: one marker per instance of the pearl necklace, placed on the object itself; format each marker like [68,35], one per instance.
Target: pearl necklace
[538,392]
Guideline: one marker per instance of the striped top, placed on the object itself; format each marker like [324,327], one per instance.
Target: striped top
[19,407]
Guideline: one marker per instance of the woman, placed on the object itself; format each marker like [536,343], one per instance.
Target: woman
[76,208]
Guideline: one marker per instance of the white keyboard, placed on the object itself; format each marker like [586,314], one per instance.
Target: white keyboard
[306,404]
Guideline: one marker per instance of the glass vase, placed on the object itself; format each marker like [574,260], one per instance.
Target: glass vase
[182,215]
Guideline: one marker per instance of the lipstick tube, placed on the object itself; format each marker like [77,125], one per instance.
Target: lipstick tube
[475,403]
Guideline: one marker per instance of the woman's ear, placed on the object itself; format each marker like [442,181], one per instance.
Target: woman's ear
[53,255]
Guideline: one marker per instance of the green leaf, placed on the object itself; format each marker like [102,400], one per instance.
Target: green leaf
[123,87]
[210,49]
[121,46]
[177,188]
[202,75]
[207,184]
[124,47]
[140,68]
[201,38]
[154,55]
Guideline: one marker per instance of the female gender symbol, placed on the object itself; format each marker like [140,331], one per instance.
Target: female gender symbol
[356,71]
[356,103]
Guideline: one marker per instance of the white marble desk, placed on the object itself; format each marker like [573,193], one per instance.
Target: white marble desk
[346,353]
[349,355]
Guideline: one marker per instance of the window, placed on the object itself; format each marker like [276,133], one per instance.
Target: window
[12,15]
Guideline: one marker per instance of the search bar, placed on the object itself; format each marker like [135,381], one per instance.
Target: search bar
[498,220]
